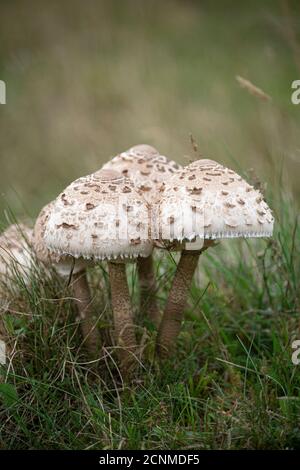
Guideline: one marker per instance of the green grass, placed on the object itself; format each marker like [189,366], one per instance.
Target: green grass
[231,383]
[83,85]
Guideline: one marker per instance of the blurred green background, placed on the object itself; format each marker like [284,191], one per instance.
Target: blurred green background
[86,80]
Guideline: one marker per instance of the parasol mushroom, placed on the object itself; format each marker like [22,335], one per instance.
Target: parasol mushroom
[202,203]
[102,217]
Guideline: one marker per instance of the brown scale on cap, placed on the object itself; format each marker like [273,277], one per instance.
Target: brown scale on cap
[260,212]
[229,204]
[89,206]
[241,201]
[195,190]
[135,241]
[213,174]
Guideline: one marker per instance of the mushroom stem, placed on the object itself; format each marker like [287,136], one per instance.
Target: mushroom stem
[91,335]
[172,318]
[148,289]
[123,317]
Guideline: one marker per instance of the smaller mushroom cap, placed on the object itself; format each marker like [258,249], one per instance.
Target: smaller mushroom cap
[208,200]
[16,258]
[64,265]
[145,167]
[99,216]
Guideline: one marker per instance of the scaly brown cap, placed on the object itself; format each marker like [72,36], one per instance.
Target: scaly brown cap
[208,200]
[99,216]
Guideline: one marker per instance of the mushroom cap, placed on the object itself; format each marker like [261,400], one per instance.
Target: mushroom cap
[207,200]
[145,167]
[99,216]
[15,253]
[63,264]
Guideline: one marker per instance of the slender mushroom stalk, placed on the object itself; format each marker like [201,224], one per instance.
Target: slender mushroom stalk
[123,317]
[88,321]
[64,265]
[172,318]
[144,165]
[170,325]
[204,201]
[147,283]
